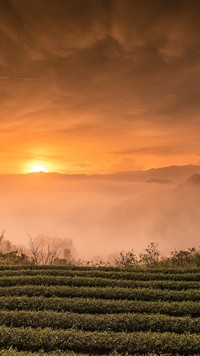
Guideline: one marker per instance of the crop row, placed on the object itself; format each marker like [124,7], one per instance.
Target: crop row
[95,282]
[14,352]
[148,275]
[100,306]
[28,339]
[100,268]
[116,322]
[146,294]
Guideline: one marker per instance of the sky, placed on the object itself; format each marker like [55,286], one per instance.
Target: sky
[92,86]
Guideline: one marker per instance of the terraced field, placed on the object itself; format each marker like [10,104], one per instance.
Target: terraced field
[85,311]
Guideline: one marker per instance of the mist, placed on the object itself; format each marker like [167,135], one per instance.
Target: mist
[102,216]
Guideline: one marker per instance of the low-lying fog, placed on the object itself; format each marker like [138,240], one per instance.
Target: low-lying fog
[102,216]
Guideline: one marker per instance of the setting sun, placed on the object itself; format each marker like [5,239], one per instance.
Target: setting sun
[37,167]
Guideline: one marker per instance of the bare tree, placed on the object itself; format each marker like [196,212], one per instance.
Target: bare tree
[44,253]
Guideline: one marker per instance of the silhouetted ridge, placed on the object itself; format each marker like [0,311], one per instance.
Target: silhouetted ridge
[160,181]
[194,179]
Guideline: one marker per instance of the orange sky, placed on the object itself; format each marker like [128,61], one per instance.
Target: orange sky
[99,85]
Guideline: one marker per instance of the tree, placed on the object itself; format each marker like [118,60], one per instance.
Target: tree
[185,258]
[66,260]
[152,255]
[126,259]
[10,254]
[13,258]
[44,253]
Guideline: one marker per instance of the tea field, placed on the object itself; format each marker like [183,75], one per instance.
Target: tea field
[99,311]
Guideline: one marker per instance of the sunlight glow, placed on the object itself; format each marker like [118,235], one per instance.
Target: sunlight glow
[38,167]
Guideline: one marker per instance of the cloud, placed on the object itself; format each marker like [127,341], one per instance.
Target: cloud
[126,164]
[102,70]
[153,150]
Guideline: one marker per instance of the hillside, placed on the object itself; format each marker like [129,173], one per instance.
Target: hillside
[99,311]
[171,216]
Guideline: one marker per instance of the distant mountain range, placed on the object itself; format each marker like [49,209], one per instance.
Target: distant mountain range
[170,216]
[163,175]
[105,213]
[160,181]
[194,179]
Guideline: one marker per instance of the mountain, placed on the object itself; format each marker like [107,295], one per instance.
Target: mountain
[190,184]
[161,175]
[104,213]
[193,180]
[173,173]
[160,181]
[170,216]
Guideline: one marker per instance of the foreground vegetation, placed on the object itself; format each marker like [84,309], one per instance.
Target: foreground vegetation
[136,305]
[73,310]
[45,250]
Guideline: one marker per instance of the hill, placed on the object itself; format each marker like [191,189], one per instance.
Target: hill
[98,311]
[168,216]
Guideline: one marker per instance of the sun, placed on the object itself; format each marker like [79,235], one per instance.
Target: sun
[38,167]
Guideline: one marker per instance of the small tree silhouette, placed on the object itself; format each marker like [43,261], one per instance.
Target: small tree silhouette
[152,255]
[126,259]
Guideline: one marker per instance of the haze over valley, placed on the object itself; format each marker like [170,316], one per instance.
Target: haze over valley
[104,214]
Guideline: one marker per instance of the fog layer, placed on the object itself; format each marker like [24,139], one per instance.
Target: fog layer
[102,216]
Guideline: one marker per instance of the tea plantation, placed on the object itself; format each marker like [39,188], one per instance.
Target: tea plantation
[99,311]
